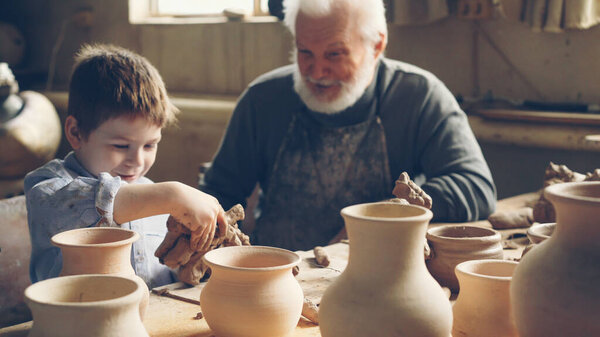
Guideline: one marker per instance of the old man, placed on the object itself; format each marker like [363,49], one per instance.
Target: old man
[338,126]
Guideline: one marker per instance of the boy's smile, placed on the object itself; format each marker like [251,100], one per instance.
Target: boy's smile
[122,146]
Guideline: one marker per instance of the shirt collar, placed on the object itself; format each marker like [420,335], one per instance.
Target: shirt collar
[73,164]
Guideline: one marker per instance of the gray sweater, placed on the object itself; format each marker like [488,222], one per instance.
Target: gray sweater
[427,135]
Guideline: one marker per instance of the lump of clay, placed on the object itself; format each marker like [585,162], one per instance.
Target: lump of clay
[519,218]
[179,248]
[411,192]
[543,211]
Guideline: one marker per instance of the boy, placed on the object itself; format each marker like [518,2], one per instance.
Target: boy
[117,107]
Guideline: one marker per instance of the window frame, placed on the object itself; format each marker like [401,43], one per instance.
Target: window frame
[257,11]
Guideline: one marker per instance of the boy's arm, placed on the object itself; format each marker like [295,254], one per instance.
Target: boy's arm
[196,210]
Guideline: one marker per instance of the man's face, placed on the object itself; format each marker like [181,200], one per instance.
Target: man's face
[121,146]
[334,63]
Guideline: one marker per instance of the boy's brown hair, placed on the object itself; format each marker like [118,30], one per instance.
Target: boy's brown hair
[109,81]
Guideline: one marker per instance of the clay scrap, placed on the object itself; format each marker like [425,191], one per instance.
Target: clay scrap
[180,247]
[542,211]
[520,218]
[411,192]
[321,256]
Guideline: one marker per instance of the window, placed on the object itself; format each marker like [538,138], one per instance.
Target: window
[207,7]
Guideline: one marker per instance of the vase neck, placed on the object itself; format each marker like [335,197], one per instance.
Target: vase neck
[578,224]
[97,260]
[388,247]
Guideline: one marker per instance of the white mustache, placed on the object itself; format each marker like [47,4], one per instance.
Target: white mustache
[326,83]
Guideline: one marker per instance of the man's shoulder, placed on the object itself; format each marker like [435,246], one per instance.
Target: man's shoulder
[275,78]
[408,72]
[274,89]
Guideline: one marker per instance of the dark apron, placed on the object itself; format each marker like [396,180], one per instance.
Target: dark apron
[318,171]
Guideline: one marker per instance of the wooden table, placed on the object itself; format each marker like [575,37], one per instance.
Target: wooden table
[168,316]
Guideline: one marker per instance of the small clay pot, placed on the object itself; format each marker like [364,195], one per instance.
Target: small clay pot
[483,308]
[453,244]
[251,292]
[540,232]
[100,250]
[86,305]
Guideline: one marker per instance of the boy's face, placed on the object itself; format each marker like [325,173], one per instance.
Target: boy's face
[121,146]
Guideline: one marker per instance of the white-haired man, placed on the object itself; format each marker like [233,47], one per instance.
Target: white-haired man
[338,126]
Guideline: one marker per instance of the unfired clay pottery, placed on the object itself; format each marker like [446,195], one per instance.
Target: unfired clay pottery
[556,287]
[483,305]
[100,250]
[385,289]
[453,244]
[540,231]
[251,292]
[86,305]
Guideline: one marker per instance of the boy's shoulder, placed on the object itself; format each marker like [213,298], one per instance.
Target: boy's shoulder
[52,169]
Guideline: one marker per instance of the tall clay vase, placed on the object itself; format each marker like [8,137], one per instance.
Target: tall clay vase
[385,289]
[483,308]
[100,250]
[556,287]
[86,305]
[251,292]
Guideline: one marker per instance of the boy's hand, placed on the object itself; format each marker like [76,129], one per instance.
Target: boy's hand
[176,249]
[200,213]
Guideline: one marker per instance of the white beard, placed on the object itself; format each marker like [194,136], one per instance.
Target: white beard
[349,92]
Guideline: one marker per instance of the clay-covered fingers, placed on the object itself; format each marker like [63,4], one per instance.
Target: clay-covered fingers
[206,235]
[209,233]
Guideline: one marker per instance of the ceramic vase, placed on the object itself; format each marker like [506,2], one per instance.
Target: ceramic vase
[555,289]
[483,308]
[31,136]
[453,244]
[100,250]
[385,289]
[251,292]
[86,305]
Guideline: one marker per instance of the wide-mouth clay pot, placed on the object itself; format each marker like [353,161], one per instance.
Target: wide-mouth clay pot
[483,308]
[453,244]
[96,250]
[251,292]
[91,305]
[497,270]
[540,232]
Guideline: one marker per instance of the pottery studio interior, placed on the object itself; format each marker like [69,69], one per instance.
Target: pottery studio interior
[172,168]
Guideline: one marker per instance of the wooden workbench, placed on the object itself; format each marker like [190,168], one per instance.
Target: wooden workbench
[168,316]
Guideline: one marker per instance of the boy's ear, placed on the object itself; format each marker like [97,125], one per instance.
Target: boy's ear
[72,132]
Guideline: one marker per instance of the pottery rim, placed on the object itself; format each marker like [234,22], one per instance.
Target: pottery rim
[223,256]
[387,212]
[64,239]
[540,231]
[48,299]
[586,192]
[479,234]
[481,269]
